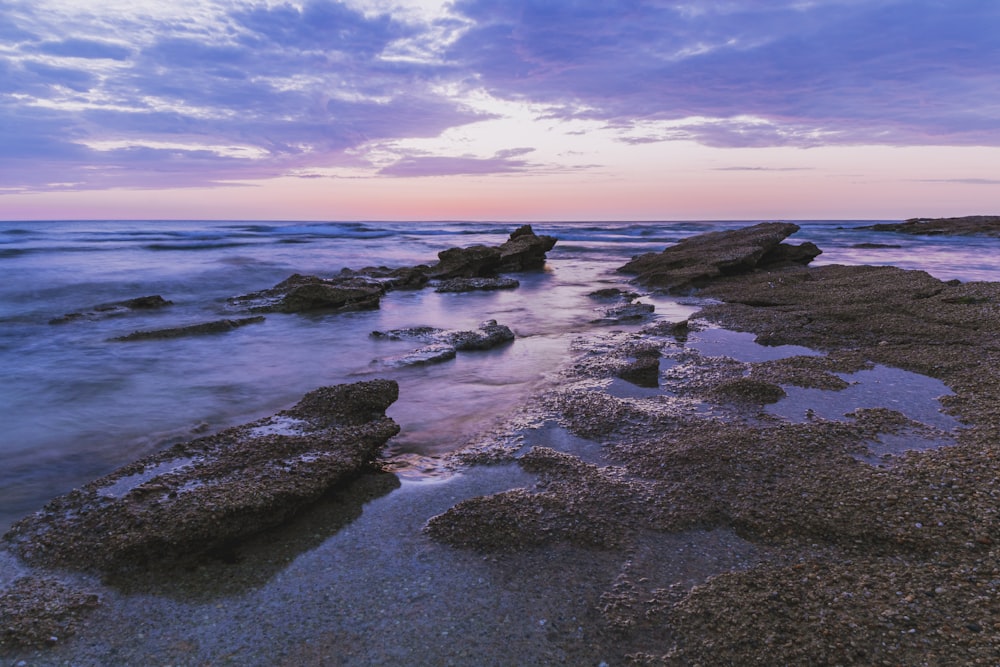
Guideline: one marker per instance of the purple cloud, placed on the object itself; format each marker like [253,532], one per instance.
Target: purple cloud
[502,162]
[834,71]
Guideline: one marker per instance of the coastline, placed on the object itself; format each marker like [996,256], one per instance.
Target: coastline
[801,547]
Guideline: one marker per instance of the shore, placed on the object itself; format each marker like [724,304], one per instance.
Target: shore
[682,523]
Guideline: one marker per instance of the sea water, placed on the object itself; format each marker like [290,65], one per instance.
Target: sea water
[76,405]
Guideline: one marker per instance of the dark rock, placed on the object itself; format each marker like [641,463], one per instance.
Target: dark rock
[749,390]
[207,493]
[525,250]
[626,312]
[972,225]
[152,302]
[473,262]
[695,261]
[299,293]
[489,335]
[643,371]
[429,354]
[218,326]
[41,611]
[613,293]
[477,284]
[323,296]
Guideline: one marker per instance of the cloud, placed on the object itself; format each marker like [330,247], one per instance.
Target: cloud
[878,71]
[964,181]
[296,86]
[431,165]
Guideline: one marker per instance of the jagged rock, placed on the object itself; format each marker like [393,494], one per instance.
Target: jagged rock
[971,225]
[200,495]
[642,371]
[695,261]
[218,326]
[525,250]
[151,302]
[477,284]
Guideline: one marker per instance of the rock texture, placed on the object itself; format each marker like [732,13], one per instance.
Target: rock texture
[696,261]
[972,225]
[443,344]
[202,495]
[298,294]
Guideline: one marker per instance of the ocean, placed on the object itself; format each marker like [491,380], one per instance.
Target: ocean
[75,405]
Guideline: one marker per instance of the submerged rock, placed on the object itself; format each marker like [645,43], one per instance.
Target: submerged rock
[695,261]
[477,284]
[151,302]
[204,494]
[626,312]
[971,225]
[218,326]
[41,611]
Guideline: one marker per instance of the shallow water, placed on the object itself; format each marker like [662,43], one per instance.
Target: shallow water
[76,406]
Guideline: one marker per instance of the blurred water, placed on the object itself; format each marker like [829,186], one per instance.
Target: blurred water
[75,406]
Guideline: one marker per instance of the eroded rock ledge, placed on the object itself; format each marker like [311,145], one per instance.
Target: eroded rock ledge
[695,261]
[201,495]
[971,225]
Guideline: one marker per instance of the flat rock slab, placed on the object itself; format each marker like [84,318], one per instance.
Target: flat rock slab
[972,225]
[477,284]
[696,261]
[204,494]
[141,303]
[487,336]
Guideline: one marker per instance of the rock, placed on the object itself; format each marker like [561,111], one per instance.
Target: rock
[201,495]
[324,296]
[643,371]
[218,326]
[695,261]
[473,262]
[972,225]
[525,250]
[613,293]
[489,335]
[151,302]
[404,278]
[299,293]
[749,390]
[626,312]
[477,284]
[429,354]
[41,611]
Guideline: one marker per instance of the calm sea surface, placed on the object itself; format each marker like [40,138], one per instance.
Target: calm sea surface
[75,406]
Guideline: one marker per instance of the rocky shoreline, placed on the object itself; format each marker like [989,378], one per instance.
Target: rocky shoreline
[812,548]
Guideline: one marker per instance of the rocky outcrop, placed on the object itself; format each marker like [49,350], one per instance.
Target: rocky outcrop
[201,495]
[525,250]
[696,261]
[218,326]
[972,225]
[298,294]
[125,307]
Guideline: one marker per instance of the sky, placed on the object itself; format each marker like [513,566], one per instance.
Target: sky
[499,109]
